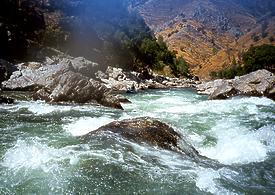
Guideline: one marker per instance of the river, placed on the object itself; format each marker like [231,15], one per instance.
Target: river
[41,153]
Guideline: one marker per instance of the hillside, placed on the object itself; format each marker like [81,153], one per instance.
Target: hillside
[103,31]
[209,34]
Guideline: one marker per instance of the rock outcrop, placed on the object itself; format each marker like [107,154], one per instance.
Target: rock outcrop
[258,83]
[65,80]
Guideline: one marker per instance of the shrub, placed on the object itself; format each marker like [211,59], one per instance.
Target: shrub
[257,57]
[255,37]
[180,67]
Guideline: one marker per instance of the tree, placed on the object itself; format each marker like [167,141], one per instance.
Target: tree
[20,21]
[180,67]
[259,57]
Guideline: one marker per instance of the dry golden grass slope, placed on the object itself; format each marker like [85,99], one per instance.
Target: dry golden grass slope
[209,34]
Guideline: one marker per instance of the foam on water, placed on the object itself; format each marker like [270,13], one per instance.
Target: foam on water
[42,108]
[84,125]
[236,141]
[237,144]
[208,180]
[35,155]
[230,122]
[215,106]
[38,107]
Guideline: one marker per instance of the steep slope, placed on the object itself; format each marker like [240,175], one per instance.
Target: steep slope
[209,34]
[102,31]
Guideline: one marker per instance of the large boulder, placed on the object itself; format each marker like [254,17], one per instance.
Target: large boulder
[68,86]
[149,131]
[223,91]
[258,83]
[61,82]
[207,88]
[31,76]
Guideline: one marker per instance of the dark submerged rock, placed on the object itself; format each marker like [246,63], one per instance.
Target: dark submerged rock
[149,131]
[155,133]
[122,99]
[4,100]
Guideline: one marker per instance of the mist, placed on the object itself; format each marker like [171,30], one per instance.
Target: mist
[95,29]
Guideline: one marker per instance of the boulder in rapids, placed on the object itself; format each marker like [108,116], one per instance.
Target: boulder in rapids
[149,131]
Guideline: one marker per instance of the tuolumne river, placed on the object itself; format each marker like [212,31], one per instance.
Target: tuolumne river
[41,152]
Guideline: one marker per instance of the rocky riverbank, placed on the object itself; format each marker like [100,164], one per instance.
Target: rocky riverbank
[62,79]
[121,81]
[258,83]
[66,79]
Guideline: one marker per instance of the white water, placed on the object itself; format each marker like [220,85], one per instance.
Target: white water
[237,144]
[85,125]
[232,124]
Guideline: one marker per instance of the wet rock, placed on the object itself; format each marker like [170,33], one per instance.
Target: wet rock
[122,99]
[155,133]
[5,100]
[258,83]
[149,131]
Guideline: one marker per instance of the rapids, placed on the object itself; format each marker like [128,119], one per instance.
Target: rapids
[40,151]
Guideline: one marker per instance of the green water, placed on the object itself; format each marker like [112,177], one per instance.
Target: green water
[40,151]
